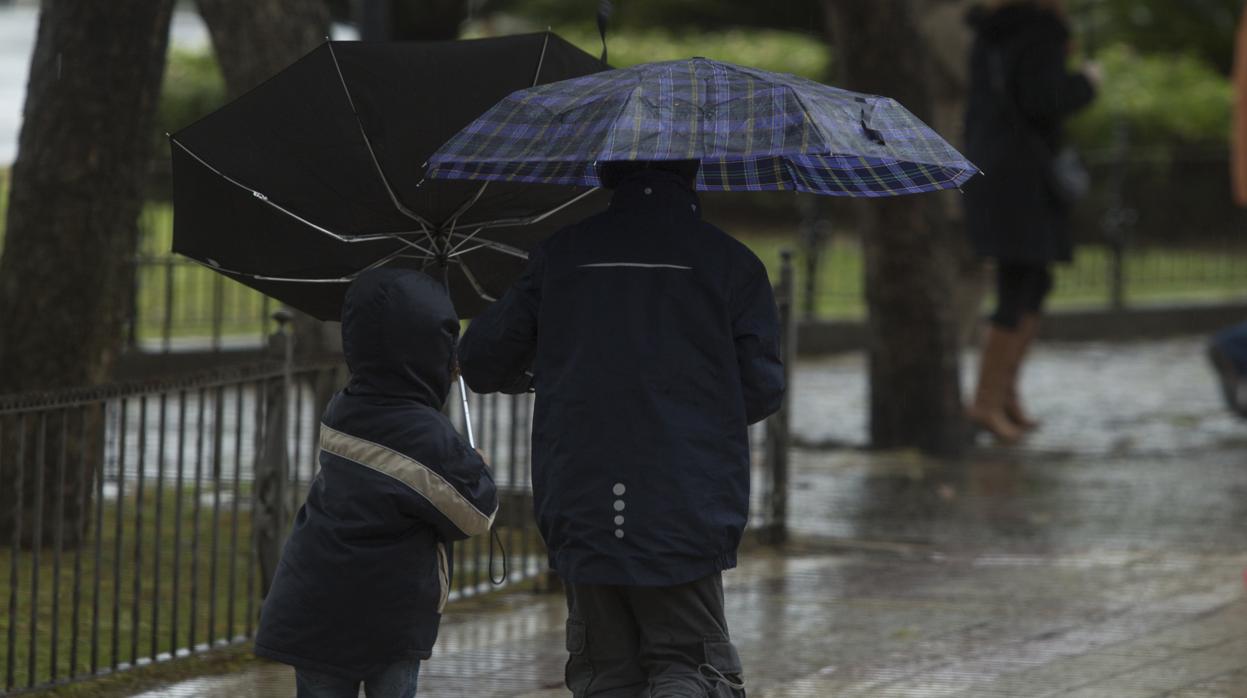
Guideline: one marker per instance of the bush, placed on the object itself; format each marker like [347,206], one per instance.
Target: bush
[1166,101]
[192,88]
[780,51]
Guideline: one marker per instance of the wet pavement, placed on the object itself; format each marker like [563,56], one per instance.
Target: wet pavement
[1105,558]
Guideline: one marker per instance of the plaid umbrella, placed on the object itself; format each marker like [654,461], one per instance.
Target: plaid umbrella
[753,130]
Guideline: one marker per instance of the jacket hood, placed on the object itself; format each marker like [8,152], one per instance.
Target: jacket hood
[1014,19]
[399,332]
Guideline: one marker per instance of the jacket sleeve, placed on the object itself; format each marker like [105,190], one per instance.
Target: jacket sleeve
[497,351]
[1046,90]
[755,328]
[460,499]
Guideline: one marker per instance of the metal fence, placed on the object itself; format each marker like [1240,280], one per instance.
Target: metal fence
[137,518]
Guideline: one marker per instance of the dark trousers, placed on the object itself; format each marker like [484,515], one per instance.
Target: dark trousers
[395,681]
[1021,289]
[651,642]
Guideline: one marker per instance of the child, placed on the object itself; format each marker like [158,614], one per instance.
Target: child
[363,578]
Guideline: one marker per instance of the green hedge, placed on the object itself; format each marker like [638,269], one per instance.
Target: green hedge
[781,51]
[193,87]
[1166,101]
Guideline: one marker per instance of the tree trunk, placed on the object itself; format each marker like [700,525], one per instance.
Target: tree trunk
[254,40]
[66,273]
[911,248]
[411,20]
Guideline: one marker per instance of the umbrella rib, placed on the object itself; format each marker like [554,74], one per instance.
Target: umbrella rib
[541,59]
[456,253]
[500,247]
[530,220]
[292,279]
[465,239]
[454,218]
[337,236]
[368,144]
[476,284]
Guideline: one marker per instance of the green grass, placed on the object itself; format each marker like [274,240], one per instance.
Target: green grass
[214,616]
[1152,275]
[774,50]
[180,296]
[177,294]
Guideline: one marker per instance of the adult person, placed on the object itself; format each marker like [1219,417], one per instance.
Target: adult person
[1017,214]
[653,341]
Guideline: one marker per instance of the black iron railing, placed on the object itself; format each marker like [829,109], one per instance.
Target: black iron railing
[136,520]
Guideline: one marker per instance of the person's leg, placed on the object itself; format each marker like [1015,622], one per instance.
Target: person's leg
[602,644]
[996,357]
[1228,353]
[1036,286]
[398,680]
[316,684]
[685,647]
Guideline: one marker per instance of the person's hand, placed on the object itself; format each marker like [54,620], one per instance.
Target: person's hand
[482,455]
[1094,73]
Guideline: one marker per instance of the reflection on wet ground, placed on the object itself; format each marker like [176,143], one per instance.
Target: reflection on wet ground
[1106,559]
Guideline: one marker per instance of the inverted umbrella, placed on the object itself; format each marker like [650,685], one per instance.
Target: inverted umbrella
[751,129]
[318,174]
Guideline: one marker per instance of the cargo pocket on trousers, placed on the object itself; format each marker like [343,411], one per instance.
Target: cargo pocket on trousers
[722,667]
[578,673]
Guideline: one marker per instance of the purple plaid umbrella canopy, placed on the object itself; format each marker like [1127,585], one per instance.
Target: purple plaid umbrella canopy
[752,130]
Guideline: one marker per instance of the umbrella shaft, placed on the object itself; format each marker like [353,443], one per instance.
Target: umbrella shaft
[467,415]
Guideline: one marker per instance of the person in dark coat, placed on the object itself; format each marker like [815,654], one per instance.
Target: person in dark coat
[1227,350]
[364,576]
[651,339]
[1020,93]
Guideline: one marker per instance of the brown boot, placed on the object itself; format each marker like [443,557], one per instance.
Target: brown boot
[1028,328]
[988,409]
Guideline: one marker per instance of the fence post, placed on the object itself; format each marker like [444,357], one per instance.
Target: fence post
[1118,219]
[778,426]
[272,464]
[811,244]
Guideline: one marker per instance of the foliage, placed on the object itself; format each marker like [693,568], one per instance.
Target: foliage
[1166,101]
[192,88]
[1204,28]
[645,15]
[781,51]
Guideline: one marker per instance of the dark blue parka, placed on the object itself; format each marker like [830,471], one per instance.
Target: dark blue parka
[656,342]
[365,573]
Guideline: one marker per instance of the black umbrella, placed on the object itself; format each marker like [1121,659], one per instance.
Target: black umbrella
[318,174]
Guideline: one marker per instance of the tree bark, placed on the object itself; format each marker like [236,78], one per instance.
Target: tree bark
[66,273]
[411,20]
[911,247]
[254,40]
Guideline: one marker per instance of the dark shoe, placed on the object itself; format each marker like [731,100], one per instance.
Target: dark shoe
[1233,387]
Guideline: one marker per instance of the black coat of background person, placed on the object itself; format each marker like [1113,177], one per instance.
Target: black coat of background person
[366,568]
[1011,213]
[656,340]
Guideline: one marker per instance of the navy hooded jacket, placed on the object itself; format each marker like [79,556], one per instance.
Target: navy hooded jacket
[365,572]
[653,339]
